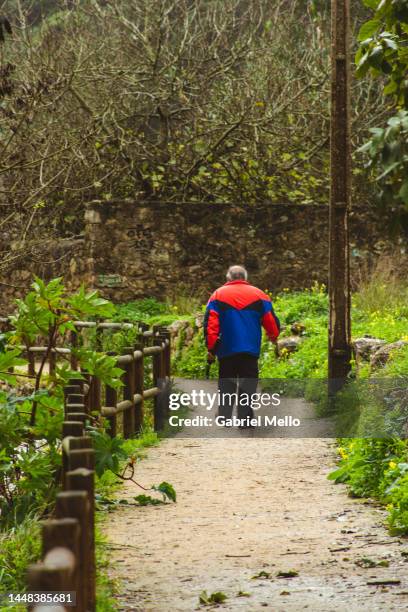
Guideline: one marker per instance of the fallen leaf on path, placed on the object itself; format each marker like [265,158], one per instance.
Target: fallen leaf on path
[341,549]
[261,574]
[214,598]
[366,562]
[287,574]
[383,582]
[243,594]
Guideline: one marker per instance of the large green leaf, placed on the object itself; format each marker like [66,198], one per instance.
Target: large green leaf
[10,359]
[90,304]
[368,29]
[109,452]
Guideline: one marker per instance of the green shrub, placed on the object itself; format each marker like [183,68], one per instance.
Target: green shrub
[19,546]
[192,361]
[377,468]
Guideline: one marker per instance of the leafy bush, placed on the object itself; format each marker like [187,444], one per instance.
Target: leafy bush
[377,468]
[192,361]
[29,456]
[31,425]
[140,310]
[19,546]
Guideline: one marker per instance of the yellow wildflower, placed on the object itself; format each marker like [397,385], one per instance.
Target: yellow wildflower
[343,453]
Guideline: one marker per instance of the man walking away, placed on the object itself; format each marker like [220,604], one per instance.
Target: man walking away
[232,327]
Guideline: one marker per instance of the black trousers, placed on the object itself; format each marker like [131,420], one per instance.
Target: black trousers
[238,375]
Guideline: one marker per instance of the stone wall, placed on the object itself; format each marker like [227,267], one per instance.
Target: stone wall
[164,249]
[47,259]
[130,250]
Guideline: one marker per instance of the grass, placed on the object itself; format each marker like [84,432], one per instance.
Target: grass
[106,587]
[385,285]
[310,307]
[153,312]
[19,547]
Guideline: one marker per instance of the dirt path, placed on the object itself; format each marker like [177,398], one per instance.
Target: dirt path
[246,506]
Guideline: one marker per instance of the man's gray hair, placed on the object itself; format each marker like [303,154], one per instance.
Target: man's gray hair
[237,273]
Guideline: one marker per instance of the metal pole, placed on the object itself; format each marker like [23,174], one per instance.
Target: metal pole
[340,192]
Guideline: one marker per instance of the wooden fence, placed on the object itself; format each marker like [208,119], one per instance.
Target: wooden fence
[152,350]
[68,540]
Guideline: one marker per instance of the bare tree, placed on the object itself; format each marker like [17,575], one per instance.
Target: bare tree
[223,100]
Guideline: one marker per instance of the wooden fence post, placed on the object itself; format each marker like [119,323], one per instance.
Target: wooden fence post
[72,428]
[72,391]
[95,394]
[88,396]
[76,416]
[55,573]
[166,337]
[111,399]
[81,458]
[162,383]
[166,371]
[73,340]
[75,505]
[128,394]
[65,532]
[139,386]
[77,382]
[75,398]
[69,444]
[83,479]
[157,382]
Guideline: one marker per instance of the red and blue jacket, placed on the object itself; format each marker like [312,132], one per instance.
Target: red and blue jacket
[233,319]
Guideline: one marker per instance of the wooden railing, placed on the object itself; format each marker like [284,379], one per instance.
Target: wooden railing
[68,540]
[152,350]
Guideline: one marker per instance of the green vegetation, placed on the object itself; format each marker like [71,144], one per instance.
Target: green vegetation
[191,363]
[379,309]
[20,545]
[31,425]
[377,468]
[213,599]
[105,587]
[383,53]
